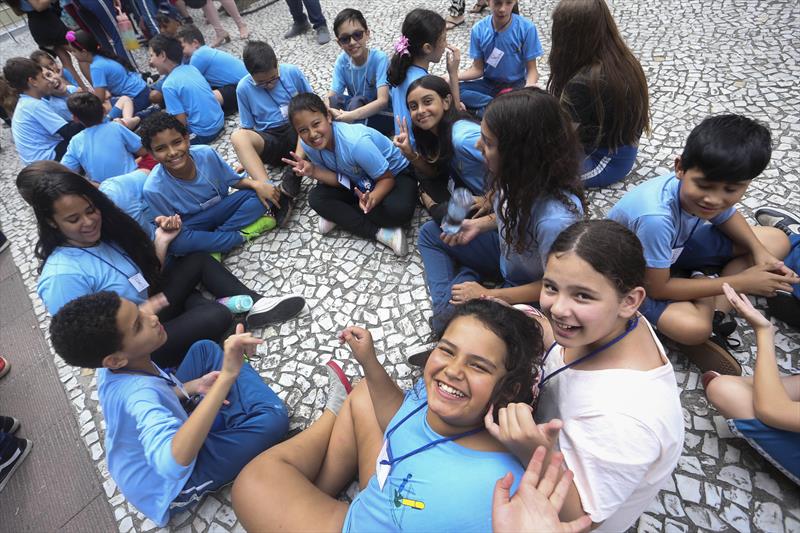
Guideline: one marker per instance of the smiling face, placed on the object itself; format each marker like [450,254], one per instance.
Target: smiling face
[159,62]
[461,374]
[707,199]
[55,83]
[349,41]
[583,306]
[142,332]
[488,146]
[171,149]
[314,128]
[427,108]
[78,220]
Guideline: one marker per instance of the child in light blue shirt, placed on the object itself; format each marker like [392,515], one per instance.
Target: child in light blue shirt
[222,71]
[503,48]
[359,90]
[103,149]
[187,94]
[165,449]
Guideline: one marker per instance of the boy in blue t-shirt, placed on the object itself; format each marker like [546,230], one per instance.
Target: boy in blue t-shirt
[172,435]
[222,71]
[39,132]
[687,221]
[266,135]
[193,183]
[504,48]
[186,92]
[103,149]
[360,72]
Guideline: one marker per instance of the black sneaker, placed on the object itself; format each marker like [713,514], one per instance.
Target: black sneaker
[290,182]
[284,211]
[8,424]
[14,453]
[723,325]
[786,308]
[778,218]
[297,29]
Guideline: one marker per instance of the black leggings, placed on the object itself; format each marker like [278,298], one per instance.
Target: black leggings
[190,317]
[340,205]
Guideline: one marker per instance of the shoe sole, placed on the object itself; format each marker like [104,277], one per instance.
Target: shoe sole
[283,311]
[5,245]
[420,353]
[333,365]
[711,356]
[18,462]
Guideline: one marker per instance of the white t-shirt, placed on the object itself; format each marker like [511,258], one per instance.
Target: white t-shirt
[622,435]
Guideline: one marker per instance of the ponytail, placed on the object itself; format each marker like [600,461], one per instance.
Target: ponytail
[419,27]
[84,40]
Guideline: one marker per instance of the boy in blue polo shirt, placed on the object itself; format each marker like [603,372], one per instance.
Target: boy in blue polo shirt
[503,48]
[39,131]
[103,149]
[222,71]
[687,221]
[187,94]
[360,72]
[266,135]
[172,435]
[193,183]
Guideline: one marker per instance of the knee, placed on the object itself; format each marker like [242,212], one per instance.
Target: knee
[720,390]
[240,137]
[689,330]
[695,333]
[774,240]
[251,488]
[218,319]
[429,235]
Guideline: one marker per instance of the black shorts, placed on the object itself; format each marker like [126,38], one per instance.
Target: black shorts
[278,142]
[229,102]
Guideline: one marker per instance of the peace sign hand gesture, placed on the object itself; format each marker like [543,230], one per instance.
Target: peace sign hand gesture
[402,140]
[301,167]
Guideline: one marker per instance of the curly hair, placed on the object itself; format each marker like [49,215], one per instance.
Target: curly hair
[84,331]
[540,157]
[156,123]
[522,337]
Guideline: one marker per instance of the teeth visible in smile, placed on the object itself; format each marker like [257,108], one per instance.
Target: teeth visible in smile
[450,390]
[564,326]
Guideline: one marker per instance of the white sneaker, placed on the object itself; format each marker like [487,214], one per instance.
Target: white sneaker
[274,309]
[394,238]
[325,226]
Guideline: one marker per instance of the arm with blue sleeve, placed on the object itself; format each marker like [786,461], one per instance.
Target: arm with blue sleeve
[157,427]
[57,290]
[173,103]
[380,103]
[70,157]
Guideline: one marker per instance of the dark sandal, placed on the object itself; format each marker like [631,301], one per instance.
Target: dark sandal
[479,7]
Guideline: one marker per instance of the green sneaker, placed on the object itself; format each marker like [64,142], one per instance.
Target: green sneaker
[217,256]
[253,230]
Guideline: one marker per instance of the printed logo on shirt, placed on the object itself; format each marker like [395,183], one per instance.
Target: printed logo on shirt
[404,501]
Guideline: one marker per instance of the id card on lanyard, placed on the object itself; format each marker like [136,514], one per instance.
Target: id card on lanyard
[136,280]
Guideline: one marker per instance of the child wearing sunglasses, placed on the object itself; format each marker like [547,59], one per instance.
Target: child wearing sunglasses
[359,91]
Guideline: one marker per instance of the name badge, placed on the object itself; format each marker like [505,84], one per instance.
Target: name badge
[676,253]
[382,470]
[495,57]
[344,181]
[138,282]
[211,202]
[285,111]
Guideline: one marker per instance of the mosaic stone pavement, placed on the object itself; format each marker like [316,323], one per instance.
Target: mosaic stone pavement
[700,57]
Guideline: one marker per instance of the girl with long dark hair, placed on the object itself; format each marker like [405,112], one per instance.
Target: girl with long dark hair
[87,244]
[602,85]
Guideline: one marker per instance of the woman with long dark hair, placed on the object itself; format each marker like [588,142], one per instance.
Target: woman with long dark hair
[602,85]
[87,244]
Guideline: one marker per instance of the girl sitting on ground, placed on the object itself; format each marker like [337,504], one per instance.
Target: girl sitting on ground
[436,463]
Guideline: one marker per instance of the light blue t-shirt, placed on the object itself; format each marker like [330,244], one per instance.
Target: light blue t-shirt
[59,103]
[359,151]
[445,488]
[69,77]
[34,127]
[142,415]
[112,76]
[519,43]
[126,191]
[167,195]
[652,210]
[468,162]
[261,109]
[72,272]
[361,80]
[218,67]
[103,151]
[549,217]
[399,104]
[187,91]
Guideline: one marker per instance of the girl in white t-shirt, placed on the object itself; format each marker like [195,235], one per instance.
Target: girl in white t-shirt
[606,377]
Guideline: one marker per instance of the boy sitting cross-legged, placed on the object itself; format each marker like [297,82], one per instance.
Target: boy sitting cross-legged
[687,221]
[173,436]
[193,181]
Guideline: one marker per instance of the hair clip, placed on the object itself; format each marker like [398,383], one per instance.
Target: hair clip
[401,46]
[70,36]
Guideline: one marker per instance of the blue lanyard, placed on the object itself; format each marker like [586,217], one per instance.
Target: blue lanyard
[124,256]
[170,378]
[335,156]
[394,460]
[497,32]
[630,327]
[200,177]
[353,80]
[273,99]
[680,223]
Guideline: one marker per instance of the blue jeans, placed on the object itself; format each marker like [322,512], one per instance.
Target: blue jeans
[254,420]
[604,167]
[446,266]
[477,94]
[314,12]
[217,228]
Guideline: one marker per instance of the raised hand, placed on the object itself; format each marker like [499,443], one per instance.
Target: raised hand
[402,140]
[236,347]
[453,59]
[154,304]
[745,309]
[360,342]
[519,433]
[300,166]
